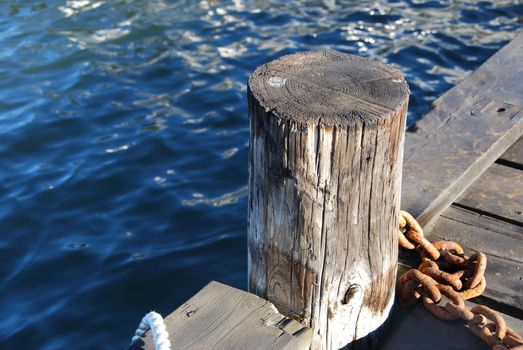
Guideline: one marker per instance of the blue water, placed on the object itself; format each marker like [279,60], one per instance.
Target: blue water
[123,152]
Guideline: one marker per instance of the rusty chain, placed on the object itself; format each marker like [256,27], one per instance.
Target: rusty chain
[445,270]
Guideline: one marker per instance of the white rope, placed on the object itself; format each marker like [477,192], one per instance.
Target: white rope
[154,322]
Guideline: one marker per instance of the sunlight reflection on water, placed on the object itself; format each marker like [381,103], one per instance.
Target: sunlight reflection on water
[124,140]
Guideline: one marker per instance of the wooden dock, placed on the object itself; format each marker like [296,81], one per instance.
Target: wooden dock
[462,178]
[487,217]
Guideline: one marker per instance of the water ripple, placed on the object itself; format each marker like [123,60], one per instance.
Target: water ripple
[124,140]
[225,199]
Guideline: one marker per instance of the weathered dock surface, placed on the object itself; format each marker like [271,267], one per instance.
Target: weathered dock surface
[417,329]
[463,177]
[222,317]
[468,128]
[488,218]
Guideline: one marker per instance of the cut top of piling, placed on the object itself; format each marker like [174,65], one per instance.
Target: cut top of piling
[328,87]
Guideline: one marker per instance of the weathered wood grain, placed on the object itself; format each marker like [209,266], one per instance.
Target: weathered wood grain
[325,169]
[514,156]
[480,232]
[469,127]
[417,329]
[222,317]
[504,285]
[498,192]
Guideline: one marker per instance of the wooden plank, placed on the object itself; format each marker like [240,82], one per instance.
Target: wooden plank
[468,128]
[418,329]
[514,154]
[479,232]
[222,317]
[504,283]
[502,242]
[499,192]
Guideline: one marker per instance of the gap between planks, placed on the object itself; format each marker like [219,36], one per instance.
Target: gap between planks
[469,127]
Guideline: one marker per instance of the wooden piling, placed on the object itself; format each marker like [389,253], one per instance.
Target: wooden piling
[326,148]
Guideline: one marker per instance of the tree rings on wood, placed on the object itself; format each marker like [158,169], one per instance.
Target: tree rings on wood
[328,87]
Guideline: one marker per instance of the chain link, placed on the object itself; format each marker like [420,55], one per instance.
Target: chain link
[445,270]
